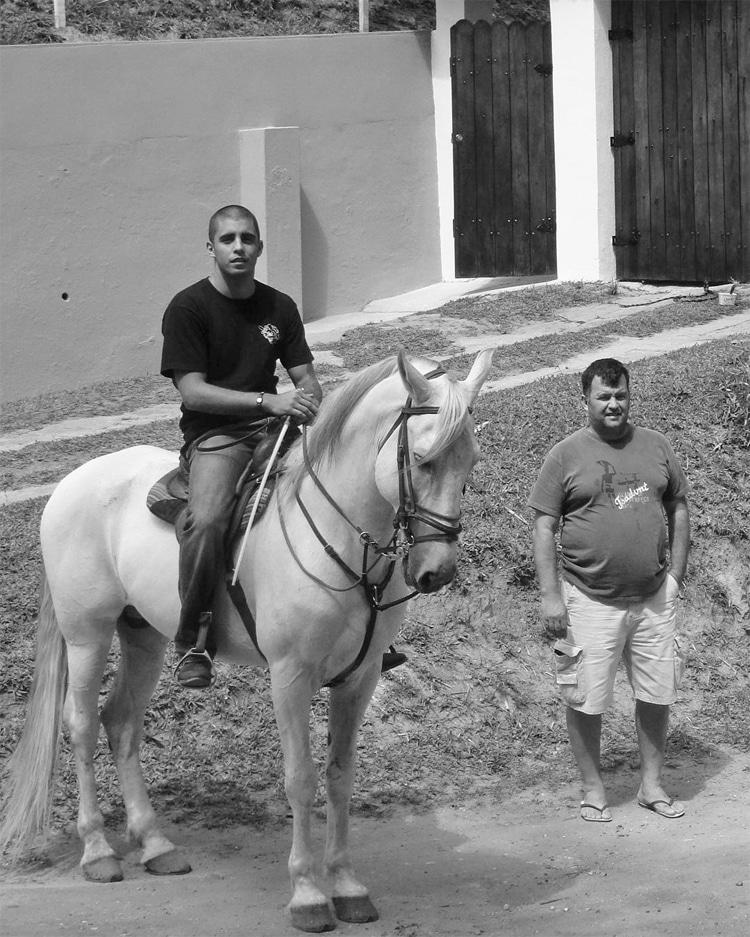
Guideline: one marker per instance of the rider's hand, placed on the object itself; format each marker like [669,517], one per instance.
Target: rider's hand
[297,404]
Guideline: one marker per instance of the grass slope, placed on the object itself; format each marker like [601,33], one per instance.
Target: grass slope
[474,713]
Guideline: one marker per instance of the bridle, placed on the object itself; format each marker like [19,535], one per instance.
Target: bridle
[446,528]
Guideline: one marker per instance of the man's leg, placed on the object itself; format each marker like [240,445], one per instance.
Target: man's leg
[585,732]
[652,724]
[650,658]
[213,476]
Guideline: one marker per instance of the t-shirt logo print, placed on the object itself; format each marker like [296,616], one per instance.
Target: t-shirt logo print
[270,333]
[612,486]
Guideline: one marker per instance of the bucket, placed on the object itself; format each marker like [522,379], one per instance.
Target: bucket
[727,299]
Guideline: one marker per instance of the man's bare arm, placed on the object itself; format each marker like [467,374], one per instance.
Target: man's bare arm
[554,613]
[198,394]
[678,522]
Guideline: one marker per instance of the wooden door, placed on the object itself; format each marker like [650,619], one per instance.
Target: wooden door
[681,139]
[503,149]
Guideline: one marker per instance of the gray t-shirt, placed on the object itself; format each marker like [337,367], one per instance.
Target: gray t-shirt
[609,496]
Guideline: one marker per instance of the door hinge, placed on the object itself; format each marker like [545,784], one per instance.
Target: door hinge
[621,33]
[622,139]
[544,69]
[546,227]
[621,240]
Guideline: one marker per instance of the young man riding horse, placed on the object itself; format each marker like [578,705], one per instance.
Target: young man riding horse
[222,338]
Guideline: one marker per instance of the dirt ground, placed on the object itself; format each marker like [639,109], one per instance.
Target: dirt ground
[524,866]
[527,866]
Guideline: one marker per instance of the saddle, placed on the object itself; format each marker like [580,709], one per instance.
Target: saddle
[167,498]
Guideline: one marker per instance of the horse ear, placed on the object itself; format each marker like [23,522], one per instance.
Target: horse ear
[416,383]
[478,374]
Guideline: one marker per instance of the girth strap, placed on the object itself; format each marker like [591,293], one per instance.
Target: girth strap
[237,595]
[369,631]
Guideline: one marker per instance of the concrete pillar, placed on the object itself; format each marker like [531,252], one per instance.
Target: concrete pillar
[270,188]
[448,12]
[584,115]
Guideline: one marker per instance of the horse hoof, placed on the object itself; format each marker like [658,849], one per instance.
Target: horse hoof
[104,870]
[356,910]
[313,919]
[168,863]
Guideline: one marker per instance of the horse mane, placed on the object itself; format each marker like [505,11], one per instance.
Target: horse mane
[336,409]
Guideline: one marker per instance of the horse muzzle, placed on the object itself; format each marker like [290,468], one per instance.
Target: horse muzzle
[429,576]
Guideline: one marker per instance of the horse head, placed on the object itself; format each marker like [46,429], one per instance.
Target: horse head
[423,463]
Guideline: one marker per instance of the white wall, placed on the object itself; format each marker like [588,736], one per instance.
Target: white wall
[584,123]
[114,155]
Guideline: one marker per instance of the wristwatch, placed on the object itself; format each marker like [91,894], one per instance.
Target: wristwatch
[259,399]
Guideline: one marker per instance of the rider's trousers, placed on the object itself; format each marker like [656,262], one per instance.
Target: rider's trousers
[213,478]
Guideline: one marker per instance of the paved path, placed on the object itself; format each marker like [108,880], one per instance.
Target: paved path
[575,319]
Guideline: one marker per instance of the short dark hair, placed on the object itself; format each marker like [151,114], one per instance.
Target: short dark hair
[231,211]
[610,370]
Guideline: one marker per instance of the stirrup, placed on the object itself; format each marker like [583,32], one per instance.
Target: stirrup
[204,662]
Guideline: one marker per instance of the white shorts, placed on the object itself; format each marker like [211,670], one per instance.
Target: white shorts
[640,633]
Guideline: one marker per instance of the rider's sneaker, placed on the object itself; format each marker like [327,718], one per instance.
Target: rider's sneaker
[195,670]
[392,658]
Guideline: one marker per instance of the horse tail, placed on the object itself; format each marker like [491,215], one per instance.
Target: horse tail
[30,770]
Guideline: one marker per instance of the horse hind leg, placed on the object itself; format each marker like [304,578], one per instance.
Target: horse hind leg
[86,662]
[141,659]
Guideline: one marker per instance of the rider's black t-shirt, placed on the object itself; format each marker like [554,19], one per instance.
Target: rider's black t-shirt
[234,342]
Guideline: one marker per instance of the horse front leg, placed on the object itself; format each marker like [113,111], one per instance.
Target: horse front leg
[292,697]
[86,664]
[351,900]
[142,655]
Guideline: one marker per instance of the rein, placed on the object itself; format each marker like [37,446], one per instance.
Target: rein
[252,430]
[398,547]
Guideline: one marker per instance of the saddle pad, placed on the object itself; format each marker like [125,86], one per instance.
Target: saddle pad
[168,497]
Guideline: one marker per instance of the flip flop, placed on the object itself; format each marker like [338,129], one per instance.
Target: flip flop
[655,807]
[600,810]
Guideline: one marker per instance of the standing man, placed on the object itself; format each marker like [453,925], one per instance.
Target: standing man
[618,495]
[222,339]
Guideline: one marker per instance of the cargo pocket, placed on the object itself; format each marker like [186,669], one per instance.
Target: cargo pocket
[680,661]
[568,672]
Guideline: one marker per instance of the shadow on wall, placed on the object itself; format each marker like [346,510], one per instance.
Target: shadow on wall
[314,263]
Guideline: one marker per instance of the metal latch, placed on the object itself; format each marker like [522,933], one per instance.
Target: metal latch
[621,240]
[622,139]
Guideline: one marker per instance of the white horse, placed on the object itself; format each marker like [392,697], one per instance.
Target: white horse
[324,577]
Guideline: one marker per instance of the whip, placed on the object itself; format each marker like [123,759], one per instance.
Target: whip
[262,485]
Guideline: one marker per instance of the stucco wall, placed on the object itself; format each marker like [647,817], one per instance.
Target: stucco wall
[584,123]
[115,154]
